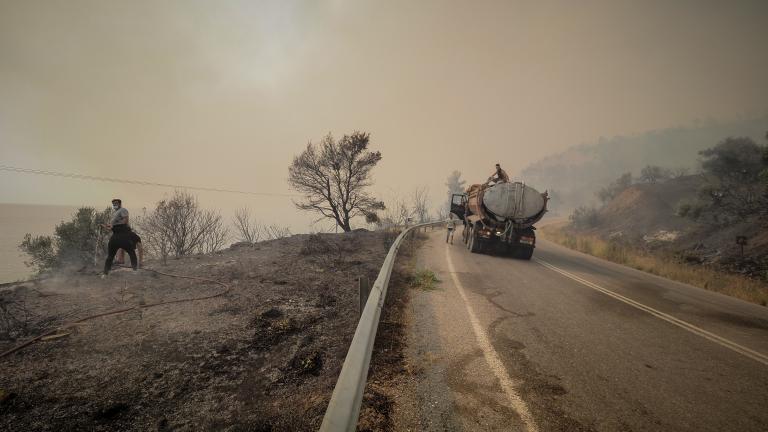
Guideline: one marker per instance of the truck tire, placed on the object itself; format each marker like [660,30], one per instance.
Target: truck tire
[475,244]
[524,253]
[468,242]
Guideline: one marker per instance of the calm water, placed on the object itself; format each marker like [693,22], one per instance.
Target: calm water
[17,220]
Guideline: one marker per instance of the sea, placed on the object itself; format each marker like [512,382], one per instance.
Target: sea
[16,220]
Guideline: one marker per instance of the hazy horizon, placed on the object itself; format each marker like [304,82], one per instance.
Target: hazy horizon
[225,94]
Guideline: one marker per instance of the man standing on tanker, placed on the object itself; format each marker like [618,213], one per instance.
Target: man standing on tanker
[121,236]
[499,176]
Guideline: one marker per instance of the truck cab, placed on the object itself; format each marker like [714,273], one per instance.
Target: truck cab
[459,205]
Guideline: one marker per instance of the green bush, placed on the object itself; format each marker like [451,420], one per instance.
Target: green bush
[424,279]
[41,251]
[73,243]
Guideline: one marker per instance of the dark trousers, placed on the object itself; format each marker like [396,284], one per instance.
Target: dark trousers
[121,239]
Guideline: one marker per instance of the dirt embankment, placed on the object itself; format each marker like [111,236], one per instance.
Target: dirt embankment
[263,357]
[641,228]
[646,216]
[645,209]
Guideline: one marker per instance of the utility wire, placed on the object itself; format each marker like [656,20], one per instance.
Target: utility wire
[136,182]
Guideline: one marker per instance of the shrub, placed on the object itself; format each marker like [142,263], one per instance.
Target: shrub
[585,217]
[616,187]
[73,244]
[327,253]
[424,279]
[41,251]
[179,227]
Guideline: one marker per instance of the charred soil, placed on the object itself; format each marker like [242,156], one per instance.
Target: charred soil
[265,356]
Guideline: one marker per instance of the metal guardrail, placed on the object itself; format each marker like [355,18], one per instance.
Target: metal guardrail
[344,409]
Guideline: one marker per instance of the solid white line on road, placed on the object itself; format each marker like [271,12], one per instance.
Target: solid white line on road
[754,355]
[492,357]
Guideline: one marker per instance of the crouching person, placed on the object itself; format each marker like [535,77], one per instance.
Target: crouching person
[139,250]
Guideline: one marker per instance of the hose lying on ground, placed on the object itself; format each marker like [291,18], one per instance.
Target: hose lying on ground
[119,311]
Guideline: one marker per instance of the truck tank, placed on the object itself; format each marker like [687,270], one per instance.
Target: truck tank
[500,217]
[515,202]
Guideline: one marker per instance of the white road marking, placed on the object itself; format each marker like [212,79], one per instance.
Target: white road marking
[492,357]
[754,355]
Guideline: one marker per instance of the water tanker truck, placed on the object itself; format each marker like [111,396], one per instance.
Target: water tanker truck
[499,217]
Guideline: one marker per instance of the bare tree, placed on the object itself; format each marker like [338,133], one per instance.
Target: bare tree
[216,237]
[274,232]
[654,174]
[396,213]
[246,227]
[178,227]
[679,172]
[333,176]
[420,204]
[442,213]
[455,186]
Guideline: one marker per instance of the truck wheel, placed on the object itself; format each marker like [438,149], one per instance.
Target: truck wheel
[474,243]
[525,253]
[468,240]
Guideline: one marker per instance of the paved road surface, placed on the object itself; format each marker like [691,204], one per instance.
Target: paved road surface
[570,342]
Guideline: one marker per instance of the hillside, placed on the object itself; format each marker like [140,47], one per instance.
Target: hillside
[575,174]
[265,355]
[644,216]
[645,210]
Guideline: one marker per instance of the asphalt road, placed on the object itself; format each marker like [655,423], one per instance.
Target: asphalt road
[570,342]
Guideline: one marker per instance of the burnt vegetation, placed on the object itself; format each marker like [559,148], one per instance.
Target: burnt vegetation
[716,218]
[265,356]
[178,226]
[334,176]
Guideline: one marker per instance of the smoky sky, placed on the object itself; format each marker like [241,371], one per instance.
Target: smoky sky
[225,93]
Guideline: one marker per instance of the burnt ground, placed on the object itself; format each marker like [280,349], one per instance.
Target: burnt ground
[263,357]
[390,372]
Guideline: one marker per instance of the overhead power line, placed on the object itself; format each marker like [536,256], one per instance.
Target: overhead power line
[136,182]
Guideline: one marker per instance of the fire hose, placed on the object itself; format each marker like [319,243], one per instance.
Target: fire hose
[119,311]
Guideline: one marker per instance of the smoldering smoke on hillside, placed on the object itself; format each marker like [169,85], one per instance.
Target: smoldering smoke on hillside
[574,176]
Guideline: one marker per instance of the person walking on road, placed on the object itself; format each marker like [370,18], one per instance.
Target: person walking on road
[121,236]
[451,228]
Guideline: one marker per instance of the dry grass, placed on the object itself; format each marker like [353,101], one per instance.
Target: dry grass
[667,265]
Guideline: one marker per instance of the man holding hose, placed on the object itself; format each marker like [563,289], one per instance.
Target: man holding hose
[122,237]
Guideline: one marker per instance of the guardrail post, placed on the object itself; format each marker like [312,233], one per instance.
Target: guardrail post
[363,290]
